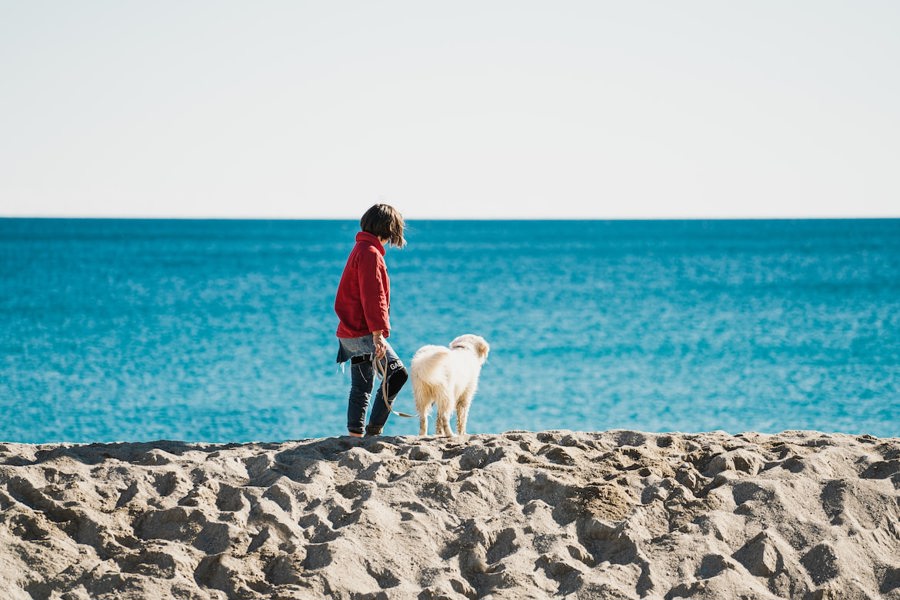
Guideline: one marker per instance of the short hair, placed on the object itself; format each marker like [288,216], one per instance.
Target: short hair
[386,222]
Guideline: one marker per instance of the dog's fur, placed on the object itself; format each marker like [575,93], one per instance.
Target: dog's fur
[447,377]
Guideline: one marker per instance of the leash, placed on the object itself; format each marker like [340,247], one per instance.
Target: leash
[381,369]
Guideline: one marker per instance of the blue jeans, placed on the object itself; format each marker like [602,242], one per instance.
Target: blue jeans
[362,382]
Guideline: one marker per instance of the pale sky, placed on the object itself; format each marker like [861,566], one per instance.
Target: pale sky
[464,109]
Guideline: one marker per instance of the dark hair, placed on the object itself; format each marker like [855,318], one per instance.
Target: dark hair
[386,222]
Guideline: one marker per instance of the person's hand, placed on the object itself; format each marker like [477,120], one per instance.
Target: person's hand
[380,344]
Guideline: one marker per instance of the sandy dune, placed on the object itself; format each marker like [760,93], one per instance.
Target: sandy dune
[610,515]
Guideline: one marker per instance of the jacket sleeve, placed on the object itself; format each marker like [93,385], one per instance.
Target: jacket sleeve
[372,275]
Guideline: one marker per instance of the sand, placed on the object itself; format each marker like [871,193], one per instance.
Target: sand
[613,515]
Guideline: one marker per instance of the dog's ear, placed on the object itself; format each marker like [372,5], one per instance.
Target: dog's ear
[482,348]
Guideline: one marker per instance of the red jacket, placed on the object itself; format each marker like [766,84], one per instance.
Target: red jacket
[364,294]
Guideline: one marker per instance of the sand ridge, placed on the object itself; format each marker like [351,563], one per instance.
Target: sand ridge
[615,514]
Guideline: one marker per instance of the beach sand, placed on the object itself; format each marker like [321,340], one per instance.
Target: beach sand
[612,515]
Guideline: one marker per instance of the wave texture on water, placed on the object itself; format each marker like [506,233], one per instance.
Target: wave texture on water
[224,330]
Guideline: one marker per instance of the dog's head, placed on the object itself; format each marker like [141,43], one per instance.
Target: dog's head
[475,343]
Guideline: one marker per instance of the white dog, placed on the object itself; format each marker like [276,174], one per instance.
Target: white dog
[447,377]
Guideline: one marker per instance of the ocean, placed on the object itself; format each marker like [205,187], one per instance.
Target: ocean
[223,330]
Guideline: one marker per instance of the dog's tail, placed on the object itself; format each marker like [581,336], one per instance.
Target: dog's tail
[423,366]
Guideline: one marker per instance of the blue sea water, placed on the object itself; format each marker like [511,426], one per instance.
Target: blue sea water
[223,331]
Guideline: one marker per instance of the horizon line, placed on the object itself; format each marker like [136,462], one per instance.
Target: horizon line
[520,218]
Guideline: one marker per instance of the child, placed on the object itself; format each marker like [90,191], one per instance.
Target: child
[362,304]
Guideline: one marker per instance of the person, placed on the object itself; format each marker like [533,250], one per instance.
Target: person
[362,304]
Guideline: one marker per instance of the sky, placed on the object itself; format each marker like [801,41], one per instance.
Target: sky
[466,109]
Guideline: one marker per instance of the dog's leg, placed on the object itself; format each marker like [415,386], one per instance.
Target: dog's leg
[444,420]
[442,423]
[442,402]
[462,414]
[438,423]
[423,423]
